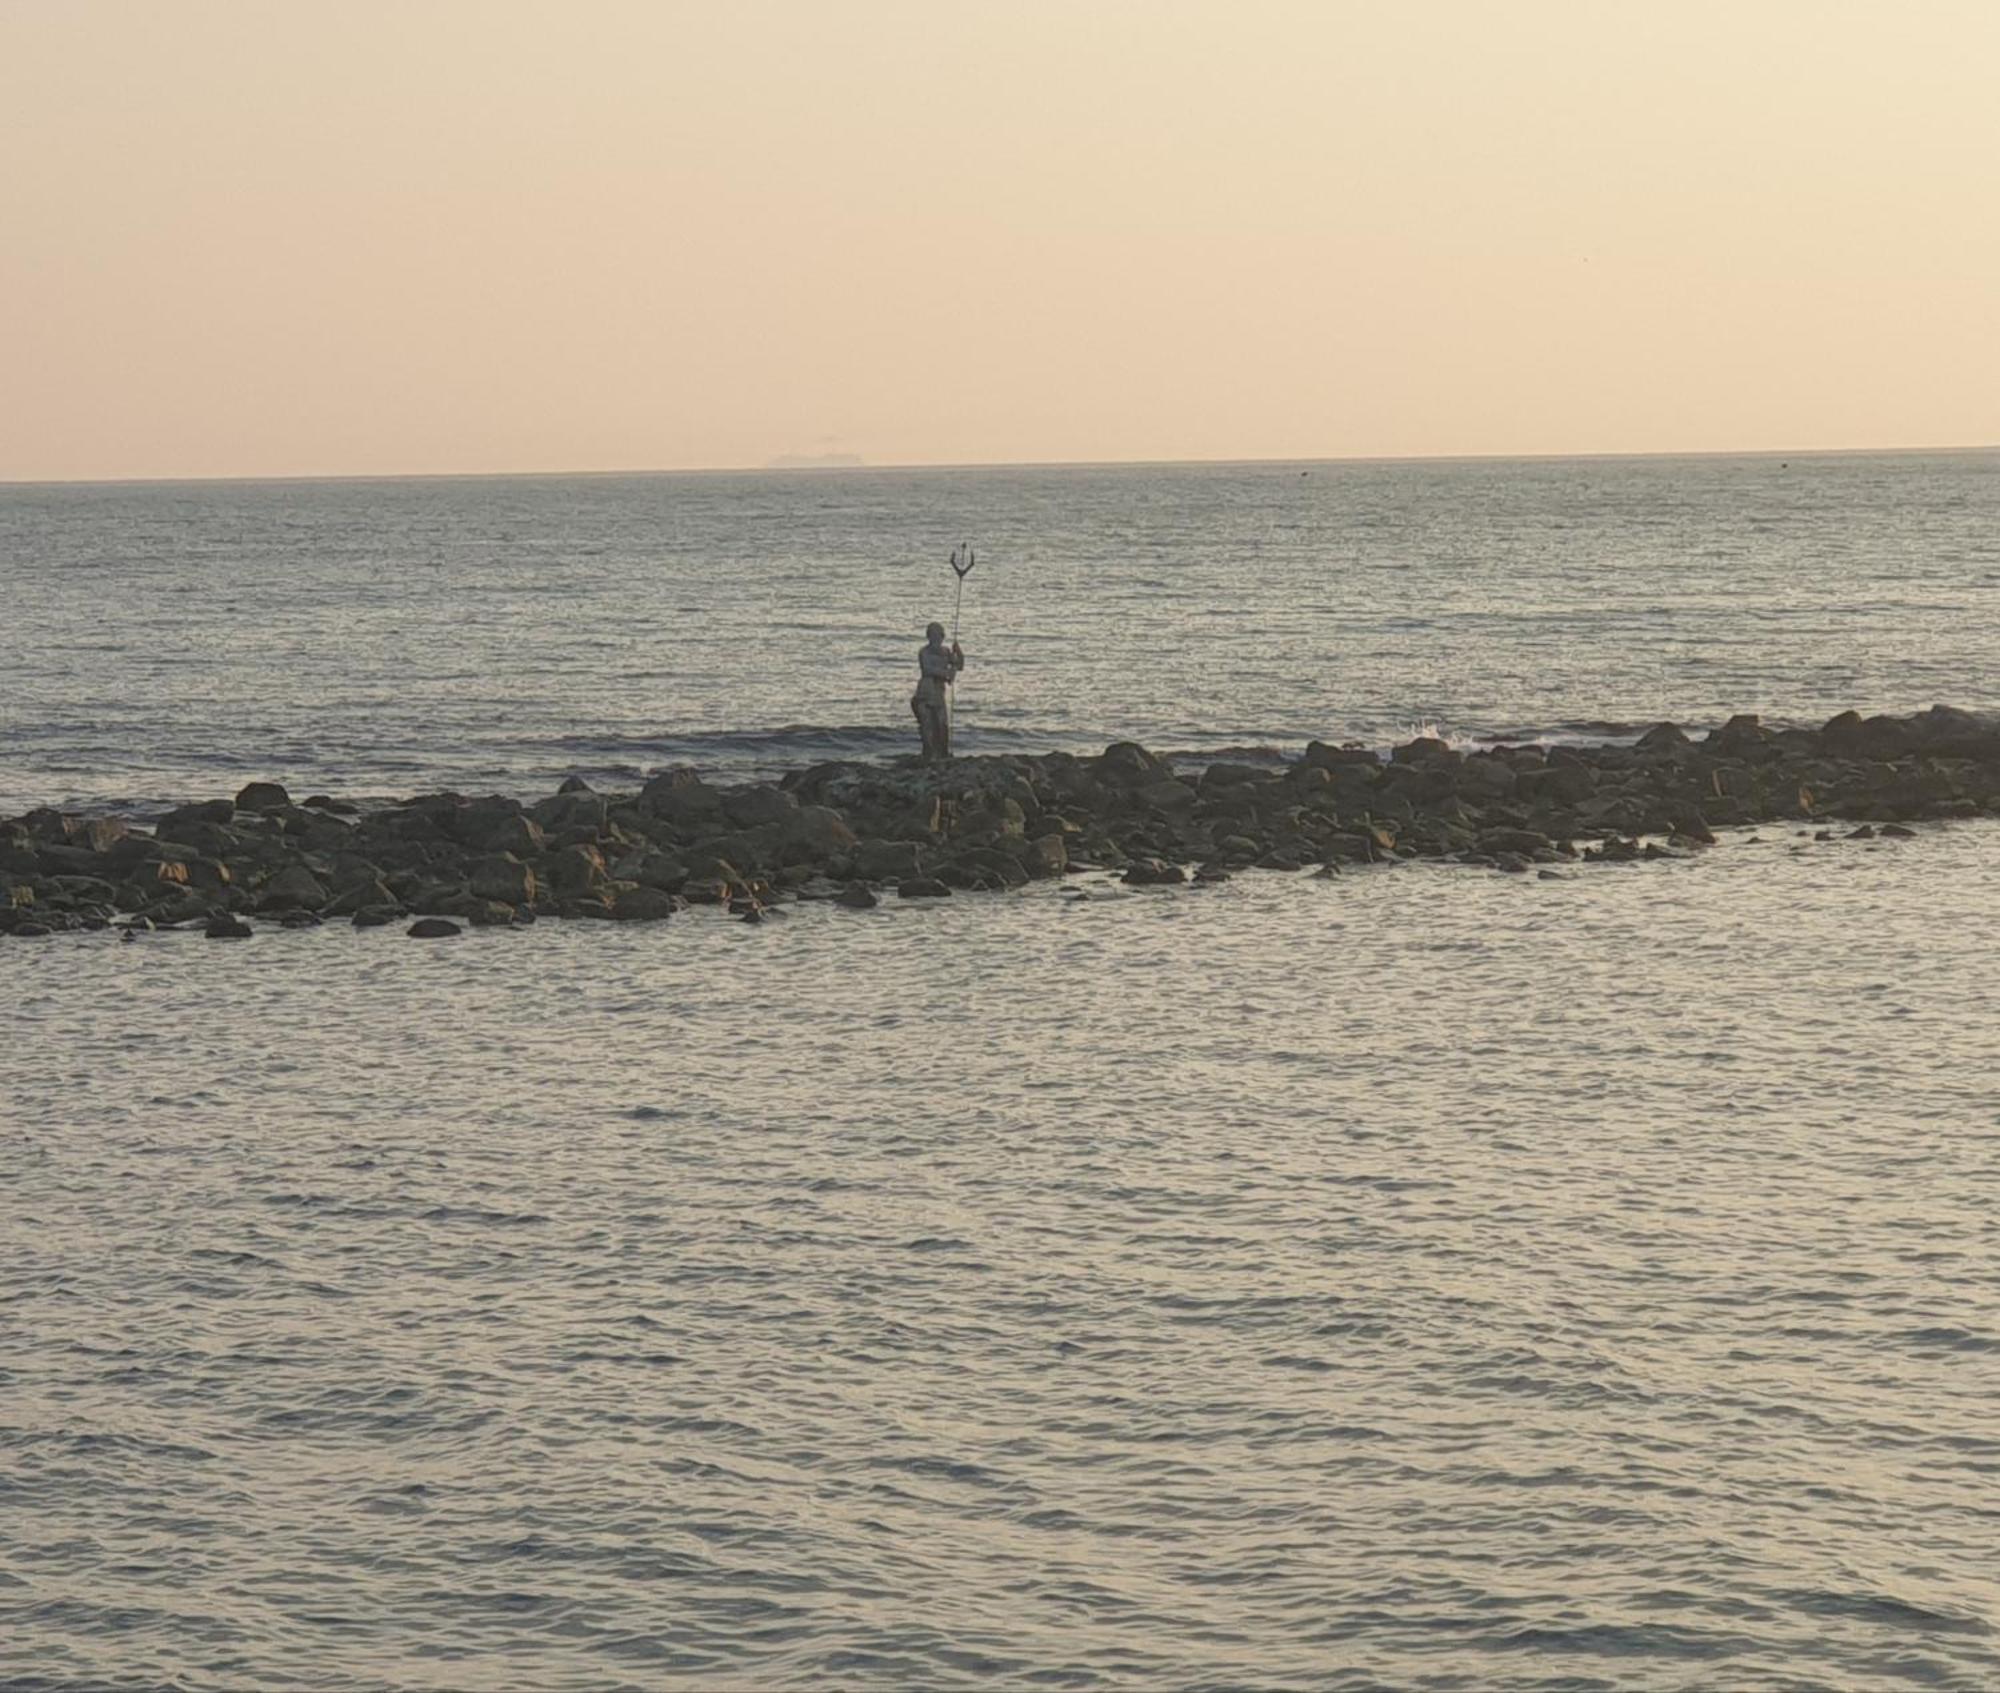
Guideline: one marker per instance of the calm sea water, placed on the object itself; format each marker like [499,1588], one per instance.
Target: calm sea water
[162,642]
[1424,1280]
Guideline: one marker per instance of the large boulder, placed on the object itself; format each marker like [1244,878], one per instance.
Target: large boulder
[815,834]
[644,905]
[578,810]
[496,826]
[1321,756]
[1127,764]
[887,861]
[295,888]
[574,871]
[502,877]
[680,798]
[753,808]
[263,796]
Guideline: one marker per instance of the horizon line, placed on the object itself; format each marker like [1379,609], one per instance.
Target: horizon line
[865,467]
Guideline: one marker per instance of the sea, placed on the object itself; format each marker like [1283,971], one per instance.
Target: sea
[1420,1279]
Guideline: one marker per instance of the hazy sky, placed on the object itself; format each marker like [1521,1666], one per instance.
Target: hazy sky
[269,237]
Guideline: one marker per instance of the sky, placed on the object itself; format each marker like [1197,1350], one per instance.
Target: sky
[437,236]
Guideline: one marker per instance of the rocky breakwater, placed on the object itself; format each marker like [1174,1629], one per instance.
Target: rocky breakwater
[852,832]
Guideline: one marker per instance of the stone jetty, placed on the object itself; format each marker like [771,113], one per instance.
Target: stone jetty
[856,833]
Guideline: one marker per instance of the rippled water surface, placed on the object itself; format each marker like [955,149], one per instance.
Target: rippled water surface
[163,642]
[1427,1279]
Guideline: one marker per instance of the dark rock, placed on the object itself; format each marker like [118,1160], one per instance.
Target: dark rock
[1127,763]
[570,813]
[223,927]
[1664,735]
[575,785]
[1323,757]
[1896,832]
[645,905]
[503,878]
[884,861]
[262,796]
[432,928]
[294,887]
[753,808]
[682,798]
[497,826]
[922,887]
[375,916]
[1153,872]
[575,870]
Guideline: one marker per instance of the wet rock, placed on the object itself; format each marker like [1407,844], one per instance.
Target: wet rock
[376,916]
[1152,873]
[503,878]
[1896,832]
[1663,735]
[643,905]
[433,929]
[886,861]
[857,896]
[497,826]
[922,887]
[1320,756]
[681,798]
[223,927]
[574,870]
[575,785]
[262,796]
[1126,763]
[292,888]
[754,807]
[651,868]
[1048,855]
[571,813]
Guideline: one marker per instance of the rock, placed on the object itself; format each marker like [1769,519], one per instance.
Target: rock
[814,834]
[504,878]
[361,896]
[293,888]
[575,870]
[432,928]
[922,887]
[1526,842]
[1320,756]
[570,812]
[643,905]
[1425,749]
[1896,832]
[857,896]
[1153,872]
[497,826]
[752,808]
[886,861]
[1048,855]
[1742,734]
[1486,777]
[223,927]
[1128,763]
[682,798]
[376,916]
[262,796]
[651,868]
[575,785]
[1663,735]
